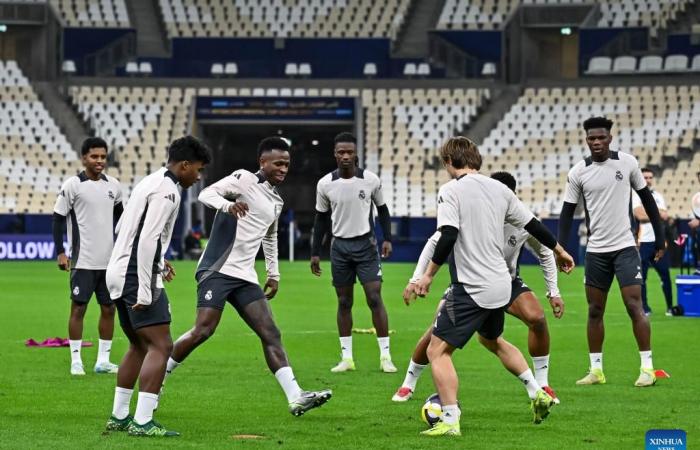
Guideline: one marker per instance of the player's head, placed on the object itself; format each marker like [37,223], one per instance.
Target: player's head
[187,157]
[648,175]
[273,155]
[345,150]
[505,178]
[598,135]
[460,152]
[93,154]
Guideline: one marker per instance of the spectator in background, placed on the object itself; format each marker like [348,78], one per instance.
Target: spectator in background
[582,242]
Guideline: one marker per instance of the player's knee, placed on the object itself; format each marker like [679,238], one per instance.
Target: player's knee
[595,312]
[78,310]
[202,332]
[108,311]
[345,303]
[538,324]
[490,344]
[272,336]
[374,300]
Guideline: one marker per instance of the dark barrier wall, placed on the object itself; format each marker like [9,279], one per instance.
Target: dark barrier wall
[483,45]
[79,43]
[610,42]
[681,44]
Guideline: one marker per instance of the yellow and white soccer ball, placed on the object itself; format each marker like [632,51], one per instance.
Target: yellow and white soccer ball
[431,410]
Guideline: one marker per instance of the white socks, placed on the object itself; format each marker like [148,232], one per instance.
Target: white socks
[540,364]
[172,365]
[122,398]
[596,360]
[450,414]
[646,360]
[346,347]
[75,351]
[530,383]
[384,347]
[285,377]
[103,349]
[144,408]
[412,375]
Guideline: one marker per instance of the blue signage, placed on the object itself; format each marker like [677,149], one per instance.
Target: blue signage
[15,247]
[335,109]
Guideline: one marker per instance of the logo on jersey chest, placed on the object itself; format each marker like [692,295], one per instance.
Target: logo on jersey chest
[362,194]
[618,176]
[512,241]
[110,194]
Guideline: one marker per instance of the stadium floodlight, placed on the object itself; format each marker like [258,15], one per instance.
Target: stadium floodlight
[565,31]
[3,28]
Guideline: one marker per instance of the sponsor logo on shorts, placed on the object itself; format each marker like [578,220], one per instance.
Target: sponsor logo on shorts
[207,296]
[618,176]
[639,276]
[76,290]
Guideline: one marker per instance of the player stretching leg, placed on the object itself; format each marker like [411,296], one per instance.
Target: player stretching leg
[603,181]
[90,203]
[471,212]
[248,207]
[524,304]
[135,279]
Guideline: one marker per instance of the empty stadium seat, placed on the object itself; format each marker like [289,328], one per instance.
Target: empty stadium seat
[291,69]
[132,68]
[423,70]
[650,64]
[599,65]
[231,69]
[624,64]
[305,69]
[93,13]
[68,67]
[145,68]
[695,66]
[410,69]
[488,70]
[370,70]
[676,63]
[217,69]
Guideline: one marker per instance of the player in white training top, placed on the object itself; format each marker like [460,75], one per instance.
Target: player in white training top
[472,210]
[135,275]
[524,304]
[345,197]
[90,203]
[604,182]
[247,207]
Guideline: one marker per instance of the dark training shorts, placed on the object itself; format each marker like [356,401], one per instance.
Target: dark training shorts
[625,264]
[157,313]
[84,282]
[517,287]
[355,258]
[460,317]
[214,289]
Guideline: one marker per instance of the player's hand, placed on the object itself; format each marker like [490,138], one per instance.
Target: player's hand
[63,262]
[695,223]
[422,287]
[238,209]
[316,265]
[409,293]
[659,254]
[557,305]
[271,288]
[565,262]
[386,249]
[139,307]
[169,272]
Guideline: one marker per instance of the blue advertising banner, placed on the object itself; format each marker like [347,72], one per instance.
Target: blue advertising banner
[336,109]
[15,247]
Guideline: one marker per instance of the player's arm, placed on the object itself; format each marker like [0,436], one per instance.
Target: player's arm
[269,245]
[654,217]
[322,223]
[640,213]
[548,264]
[423,260]
[571,197]
[118,211]
[61,209]
[384,219]
[221,195]
[160,209]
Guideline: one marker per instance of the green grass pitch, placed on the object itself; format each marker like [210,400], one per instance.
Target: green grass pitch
[224,388]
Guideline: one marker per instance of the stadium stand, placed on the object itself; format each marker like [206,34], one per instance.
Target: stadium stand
[540,138]
[491,14]
[280,18]
[34,154]
[93,13]
[403,130]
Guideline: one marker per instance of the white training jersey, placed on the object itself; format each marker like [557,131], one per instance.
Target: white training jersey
[350,201]
[89,208]
[606,188]
[143,235]
[515,239]
[234,243]
[478,206]
[646,230]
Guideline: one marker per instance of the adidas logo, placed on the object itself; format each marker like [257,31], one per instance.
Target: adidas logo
[639,276]
[171,197]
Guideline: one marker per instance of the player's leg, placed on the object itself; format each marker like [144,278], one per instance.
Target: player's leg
[528,309]
[599,273]
[447,385]
[105,325]
[627,266]
[419,361]
[81,291]
[662,267]
[381,324]
[646,253]
[258,317]
[343,274]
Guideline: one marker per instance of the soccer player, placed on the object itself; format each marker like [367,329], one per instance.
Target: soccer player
[604,180]
[647,241]
[345,197]
[135,276]
[248,208]
[472,209]
[90,203]
[523,303]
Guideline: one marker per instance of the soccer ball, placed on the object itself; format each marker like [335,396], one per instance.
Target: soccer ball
[431,410]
